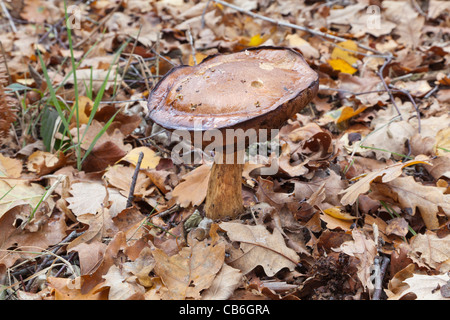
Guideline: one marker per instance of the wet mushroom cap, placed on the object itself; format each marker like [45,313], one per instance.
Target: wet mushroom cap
[257,88]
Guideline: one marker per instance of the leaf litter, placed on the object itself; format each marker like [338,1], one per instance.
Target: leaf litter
[363,176]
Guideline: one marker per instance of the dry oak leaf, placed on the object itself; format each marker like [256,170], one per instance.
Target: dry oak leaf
[9,167]
[15,192]
[31,239]
[365,250]
[122,285]
[70,289]
[259,247]
[88,197]
[225,283]
[410,194]
[431,251]
[100,225]
[120,177]
[425,287]
[194,187]
[387,174]
[190,271]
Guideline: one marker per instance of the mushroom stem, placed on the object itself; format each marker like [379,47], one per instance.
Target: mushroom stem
[224,195]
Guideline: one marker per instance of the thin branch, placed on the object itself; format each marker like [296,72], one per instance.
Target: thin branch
[6,12]
[380,74]
[134,179]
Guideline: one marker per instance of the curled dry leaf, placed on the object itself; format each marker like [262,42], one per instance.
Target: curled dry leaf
[45,162]
[365,250]
[387,174]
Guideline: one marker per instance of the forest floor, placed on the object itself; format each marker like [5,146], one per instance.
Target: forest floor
[359,208]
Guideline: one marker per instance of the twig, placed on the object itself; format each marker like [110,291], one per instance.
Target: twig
[390,89]
[380,276]
[203,14]
[379,265]
[413,103]
[167,212]
[380,74]
[11,22]
[134,179]
[43,264]
[191,42]
[436,88]
[294,26]
[71,256]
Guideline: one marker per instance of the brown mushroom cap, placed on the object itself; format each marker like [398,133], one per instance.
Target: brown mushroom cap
[256,88]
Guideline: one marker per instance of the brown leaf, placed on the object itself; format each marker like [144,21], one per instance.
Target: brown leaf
[410,194]
[30,240]
[194,187]
[397,226]
[16,192]
[431,251]
[45,162]
[122,285]
[224,284]
[259,247]
[70,289]
[424,287]
[190,271]
[387,174]
[102,156]
[120,177]
[365,250]
[10,167]
[266,193]
[100,225]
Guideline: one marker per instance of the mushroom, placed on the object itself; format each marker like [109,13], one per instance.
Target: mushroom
[258,88]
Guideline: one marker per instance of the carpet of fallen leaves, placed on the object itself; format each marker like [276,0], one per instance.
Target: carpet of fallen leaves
[359,208]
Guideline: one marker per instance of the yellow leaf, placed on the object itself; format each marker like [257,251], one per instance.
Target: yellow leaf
[340,52]
[385,175]
[149,161]
[341,65]
[344,113]
[198,57]
[218,5]
[256,40]
[338,214]
[84,103]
